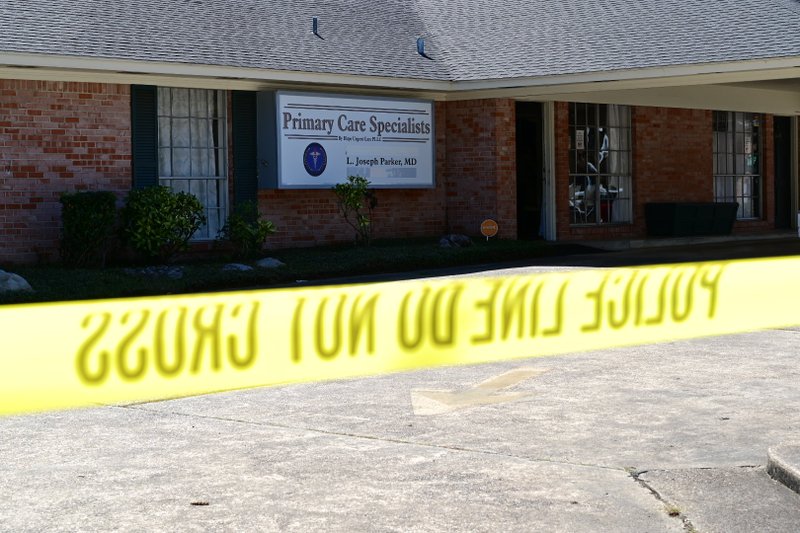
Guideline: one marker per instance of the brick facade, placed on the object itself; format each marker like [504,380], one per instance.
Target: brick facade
[482,166]
[56,137]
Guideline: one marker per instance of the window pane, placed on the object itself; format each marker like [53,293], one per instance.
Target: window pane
[592,118]
[164,134]
[164,101]
[181,135]
[739,169]
[165,162]
[181,162]
[200,160]
[199,102]
[599,164]
[580,119]
[221,164]
[180,102]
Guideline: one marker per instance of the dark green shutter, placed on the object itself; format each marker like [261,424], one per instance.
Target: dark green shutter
[245,158]
[144,135]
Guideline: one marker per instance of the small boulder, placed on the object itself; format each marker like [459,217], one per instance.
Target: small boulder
[460,240]
[269,262]
[237,267]
[455,240]
[13,282]
[171,272]
[175,273]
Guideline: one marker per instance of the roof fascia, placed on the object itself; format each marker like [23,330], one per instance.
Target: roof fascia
[132,69]
[69,68]
[703,74]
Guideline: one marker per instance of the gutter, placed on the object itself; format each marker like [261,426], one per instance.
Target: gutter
[103,70]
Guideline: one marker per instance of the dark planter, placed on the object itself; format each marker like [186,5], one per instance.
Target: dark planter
[690,219]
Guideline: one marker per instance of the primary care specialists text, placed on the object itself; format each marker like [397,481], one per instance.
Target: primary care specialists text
[345,124]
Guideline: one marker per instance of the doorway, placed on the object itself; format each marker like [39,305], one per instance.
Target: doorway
[530,164]
[783,172]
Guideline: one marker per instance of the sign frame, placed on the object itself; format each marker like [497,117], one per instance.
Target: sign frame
[283,182]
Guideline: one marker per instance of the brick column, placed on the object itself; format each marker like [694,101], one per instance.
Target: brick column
[481,165]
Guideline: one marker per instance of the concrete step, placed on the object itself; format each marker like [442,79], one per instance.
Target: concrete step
[783,464]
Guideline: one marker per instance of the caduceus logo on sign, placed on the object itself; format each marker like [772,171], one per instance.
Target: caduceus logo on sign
[315,159]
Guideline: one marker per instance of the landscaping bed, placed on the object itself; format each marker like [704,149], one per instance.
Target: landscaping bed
[56,283]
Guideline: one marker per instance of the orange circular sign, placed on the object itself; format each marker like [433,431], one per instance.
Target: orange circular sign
[489,228]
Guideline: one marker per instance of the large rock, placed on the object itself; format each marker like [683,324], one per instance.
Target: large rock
[13,282]
[270,262]
[455,240]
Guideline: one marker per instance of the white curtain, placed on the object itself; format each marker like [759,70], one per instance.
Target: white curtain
[192,149]
[619,162]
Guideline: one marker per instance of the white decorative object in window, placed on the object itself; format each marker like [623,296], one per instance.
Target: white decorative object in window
[192,150]
[600,185]
[737,165]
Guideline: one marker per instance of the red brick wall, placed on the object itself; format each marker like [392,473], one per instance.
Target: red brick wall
[672,162]
[482,166]
[310,217]
[56,137]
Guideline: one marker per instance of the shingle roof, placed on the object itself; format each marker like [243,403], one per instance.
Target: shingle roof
[365,37]
[467,39]
[514,38]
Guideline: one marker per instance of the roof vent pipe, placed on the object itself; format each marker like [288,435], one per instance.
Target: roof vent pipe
[421,47]
[315,26]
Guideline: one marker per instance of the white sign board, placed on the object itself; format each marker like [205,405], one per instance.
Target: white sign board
[579,143]
[323,139]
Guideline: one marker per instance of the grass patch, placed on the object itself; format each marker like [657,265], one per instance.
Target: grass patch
[54,283]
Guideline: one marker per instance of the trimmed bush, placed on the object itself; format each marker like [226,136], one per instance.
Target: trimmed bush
[158,223]
[88,221]
[246,230]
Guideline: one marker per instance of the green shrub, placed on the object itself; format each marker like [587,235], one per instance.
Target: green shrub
[88,221]
[356,203]
[246,230]
[158,223]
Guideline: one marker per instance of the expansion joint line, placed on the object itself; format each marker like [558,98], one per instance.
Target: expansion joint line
[671,509]
[452,448]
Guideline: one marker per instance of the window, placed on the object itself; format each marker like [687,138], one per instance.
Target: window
[600,164]
[737,168]
[192,150]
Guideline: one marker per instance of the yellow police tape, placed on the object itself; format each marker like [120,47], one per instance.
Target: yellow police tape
[130,350]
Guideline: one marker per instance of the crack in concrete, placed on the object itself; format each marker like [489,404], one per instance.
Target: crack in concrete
[369,437]
[670,508]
